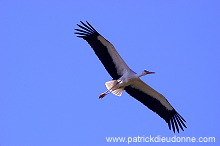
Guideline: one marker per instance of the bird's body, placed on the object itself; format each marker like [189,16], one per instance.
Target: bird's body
[126,79]
[117,86]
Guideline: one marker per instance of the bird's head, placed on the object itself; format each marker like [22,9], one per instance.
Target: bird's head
[145,72]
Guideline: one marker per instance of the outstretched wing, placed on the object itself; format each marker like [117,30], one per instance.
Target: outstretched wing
[105,51]
[157,103]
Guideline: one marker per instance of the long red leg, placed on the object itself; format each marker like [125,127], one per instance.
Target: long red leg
[106,92]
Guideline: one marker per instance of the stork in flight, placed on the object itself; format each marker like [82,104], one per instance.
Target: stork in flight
[126,79]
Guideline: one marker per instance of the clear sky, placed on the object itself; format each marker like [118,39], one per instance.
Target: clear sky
[50,80]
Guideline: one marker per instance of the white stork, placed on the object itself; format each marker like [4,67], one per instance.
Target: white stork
[126,79]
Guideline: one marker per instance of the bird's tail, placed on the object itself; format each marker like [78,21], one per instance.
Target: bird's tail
[111,86]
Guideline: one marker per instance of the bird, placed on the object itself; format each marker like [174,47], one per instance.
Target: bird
[125,79]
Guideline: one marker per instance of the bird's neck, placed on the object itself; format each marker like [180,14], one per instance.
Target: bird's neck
[141,74]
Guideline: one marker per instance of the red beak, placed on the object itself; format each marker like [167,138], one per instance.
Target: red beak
[149,72]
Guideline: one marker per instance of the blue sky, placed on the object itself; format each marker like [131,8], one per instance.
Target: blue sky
[51,80]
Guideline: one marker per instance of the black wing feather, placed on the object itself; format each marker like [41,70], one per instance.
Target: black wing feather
[173,119]
[89,30]
[89,34]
